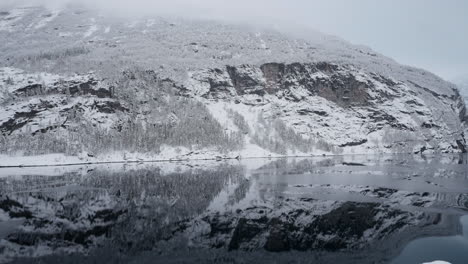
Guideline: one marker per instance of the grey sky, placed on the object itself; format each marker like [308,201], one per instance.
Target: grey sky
[431,34]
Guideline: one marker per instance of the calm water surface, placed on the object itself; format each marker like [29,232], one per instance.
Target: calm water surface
[347,209]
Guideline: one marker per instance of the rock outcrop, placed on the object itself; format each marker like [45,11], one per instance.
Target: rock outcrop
[343,105]
[194,85]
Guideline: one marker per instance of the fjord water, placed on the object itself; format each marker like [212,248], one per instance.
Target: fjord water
[452,249]
[343,209]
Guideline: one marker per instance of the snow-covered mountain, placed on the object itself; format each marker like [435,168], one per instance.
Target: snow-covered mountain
[97,87]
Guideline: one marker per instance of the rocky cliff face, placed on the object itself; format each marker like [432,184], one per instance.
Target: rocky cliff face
[343,105]
[187,84]
[39,103]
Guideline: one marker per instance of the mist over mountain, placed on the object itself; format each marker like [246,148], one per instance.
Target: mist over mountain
[96,86]
[399,29]
[462,85]
[229,132]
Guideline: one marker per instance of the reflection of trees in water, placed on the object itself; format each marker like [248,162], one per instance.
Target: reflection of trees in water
[133,209]
[301,165]
[276,173]
[240,192]
[146,209]
[161,206]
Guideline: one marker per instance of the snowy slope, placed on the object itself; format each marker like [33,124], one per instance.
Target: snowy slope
[77,82]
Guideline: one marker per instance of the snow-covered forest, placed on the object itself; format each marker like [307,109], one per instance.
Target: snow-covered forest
[89,85]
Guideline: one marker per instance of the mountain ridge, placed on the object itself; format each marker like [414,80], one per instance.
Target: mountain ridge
[149,85]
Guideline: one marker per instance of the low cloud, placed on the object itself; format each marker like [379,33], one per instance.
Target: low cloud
[423,33]
[261,11]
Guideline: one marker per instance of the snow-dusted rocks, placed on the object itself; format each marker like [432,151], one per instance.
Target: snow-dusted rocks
[37,103]
[91,83]
[344,106]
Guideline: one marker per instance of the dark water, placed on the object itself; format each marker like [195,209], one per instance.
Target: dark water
[352,209]
[451,248]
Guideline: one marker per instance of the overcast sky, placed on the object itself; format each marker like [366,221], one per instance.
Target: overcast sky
[431,34]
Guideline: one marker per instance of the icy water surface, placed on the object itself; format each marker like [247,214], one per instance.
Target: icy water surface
[351,209]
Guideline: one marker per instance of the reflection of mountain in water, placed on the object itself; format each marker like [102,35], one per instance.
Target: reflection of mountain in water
[329,209]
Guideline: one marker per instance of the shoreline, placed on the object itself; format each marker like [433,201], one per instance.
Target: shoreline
[218,158]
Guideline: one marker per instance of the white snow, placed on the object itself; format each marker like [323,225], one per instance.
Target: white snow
[9,22]
[50,159]
[92,29]
[47,19]
[168,153]
[336,125]
[65,34]
[150,22]
[132,24]
[263,44]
